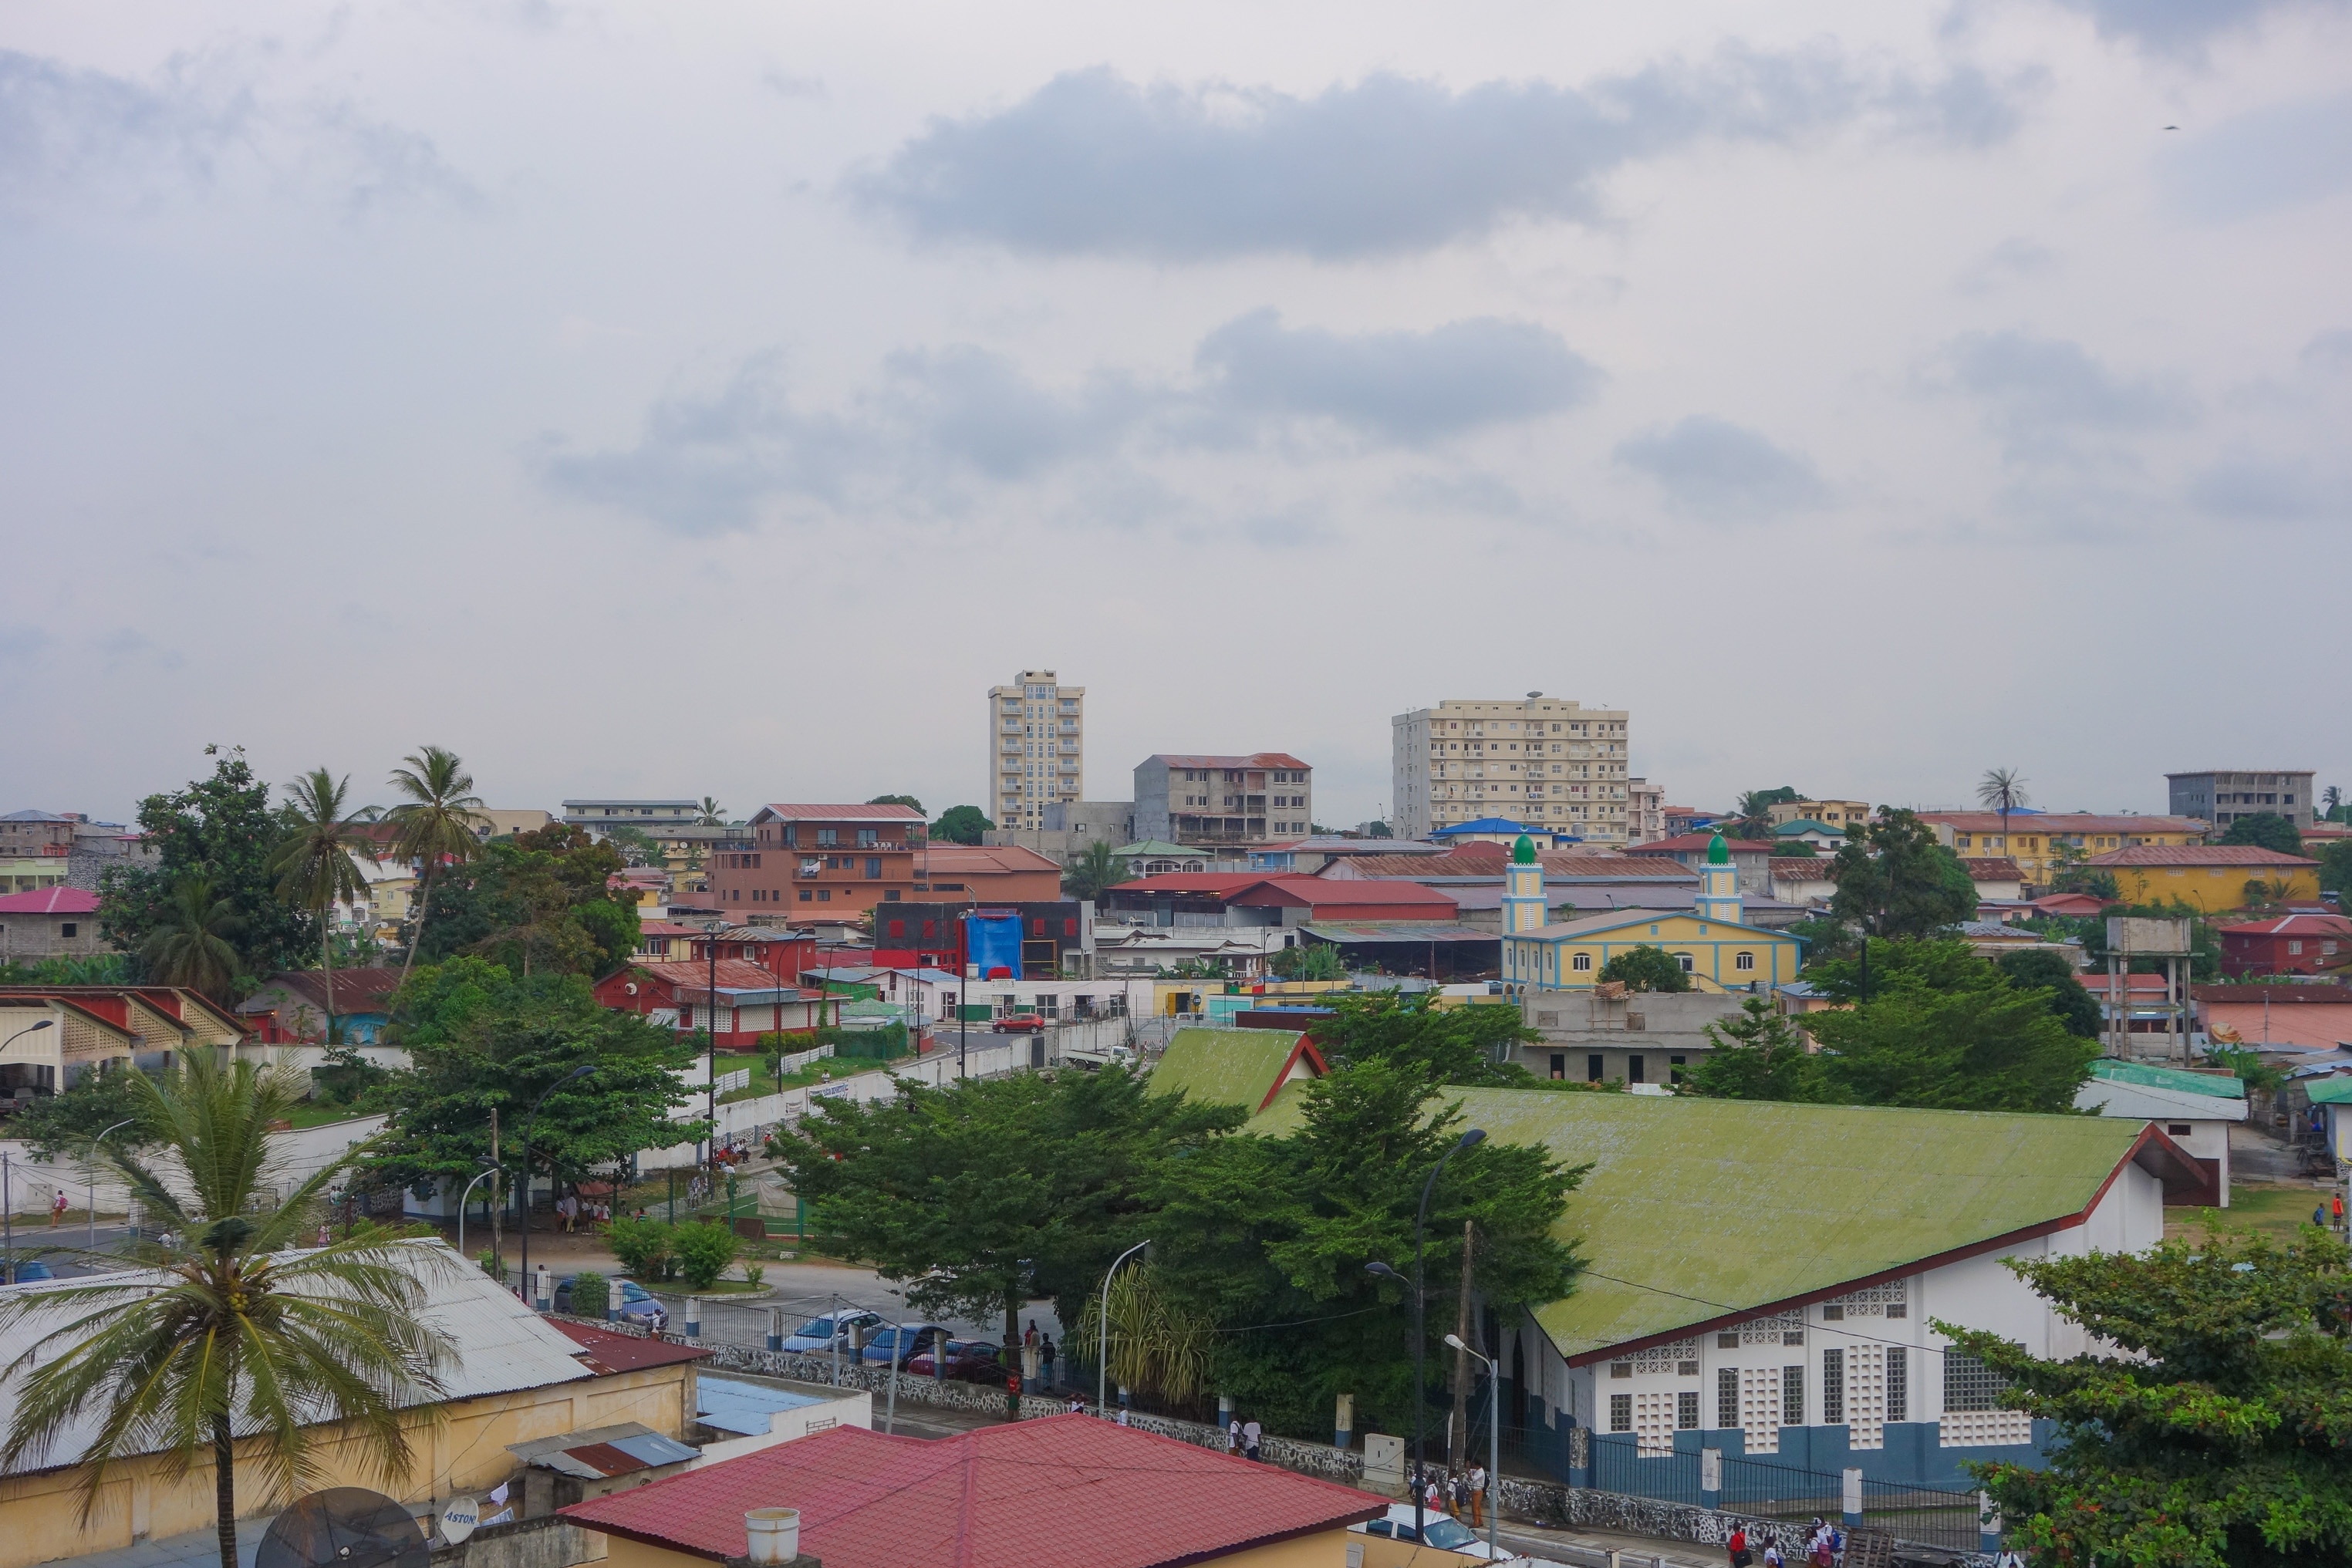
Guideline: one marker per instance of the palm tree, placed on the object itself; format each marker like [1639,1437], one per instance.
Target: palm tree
[224,1329]
[714,815]
[2002,789]
[1094,871]
[191,945]
[314,863]
[436,822]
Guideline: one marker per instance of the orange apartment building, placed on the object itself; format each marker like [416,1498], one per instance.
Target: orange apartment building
[800,861]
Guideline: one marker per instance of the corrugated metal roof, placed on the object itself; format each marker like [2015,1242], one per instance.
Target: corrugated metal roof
[734,1405]
[2198,855]
[1225,1066]
[1416,931]
[2150,1076]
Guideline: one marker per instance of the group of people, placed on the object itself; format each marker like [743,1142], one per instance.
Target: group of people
[1243,1438]
[1462,1493]
[568,1209]
[1043,1344]
[1823,1547]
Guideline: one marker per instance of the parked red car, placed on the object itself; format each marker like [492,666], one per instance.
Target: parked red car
[1019,1023]
[968,1361]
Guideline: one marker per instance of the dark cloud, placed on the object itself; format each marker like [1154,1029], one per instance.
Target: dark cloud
[2254,490]
[970,406]
[2182,27]
[1092,163]
[1408,387]
[1711,467]
[2041,395]
[2281,155]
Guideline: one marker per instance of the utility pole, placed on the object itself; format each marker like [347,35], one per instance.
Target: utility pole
[1457,1431]
[498,1185]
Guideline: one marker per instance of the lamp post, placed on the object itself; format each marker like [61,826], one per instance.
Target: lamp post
[1102,1350]
[1470,1139]
[489,1169]
[582,1071]
[7,1199]
[93,1179]
[1494,1441]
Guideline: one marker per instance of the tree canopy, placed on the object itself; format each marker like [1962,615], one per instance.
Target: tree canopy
[222,829]
[1095,871]
[2212,1434]
[1647,969]
[2265,829]
[961,825]
[2039,968]
[538,901]
[1463,1045]
[1895,880]
[906,801]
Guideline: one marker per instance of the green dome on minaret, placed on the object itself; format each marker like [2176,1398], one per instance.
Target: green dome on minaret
[1524,852]
[1717,852]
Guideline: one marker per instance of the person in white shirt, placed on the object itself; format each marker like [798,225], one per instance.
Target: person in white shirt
[1251,1433]
[1478,1497]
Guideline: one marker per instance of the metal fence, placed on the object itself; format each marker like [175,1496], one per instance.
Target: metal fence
[1928,1516]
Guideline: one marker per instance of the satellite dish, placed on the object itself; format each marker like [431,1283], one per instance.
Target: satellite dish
[343,1527]
[457,1519]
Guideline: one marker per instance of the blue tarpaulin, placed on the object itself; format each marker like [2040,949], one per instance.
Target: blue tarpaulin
[994,942]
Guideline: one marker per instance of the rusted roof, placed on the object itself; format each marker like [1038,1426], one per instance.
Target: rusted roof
[605,1354]
[788,813]
[1991,868]
[356,990]
[2198,855]
[1201,759]
[1698,843]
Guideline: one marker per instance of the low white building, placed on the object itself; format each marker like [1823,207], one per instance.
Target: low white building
[2196,1111]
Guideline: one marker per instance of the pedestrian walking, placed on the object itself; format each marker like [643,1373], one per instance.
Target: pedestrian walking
[1459,1491]
[1251,1433]
[326,1236]
[1772,1558]
[2009,1558]
[57,1209]
[1433,1497]
[2336,1210]
[1046,1359]
[1736,1549]
[1822,1551]
[1478,1497]
[1233,1437]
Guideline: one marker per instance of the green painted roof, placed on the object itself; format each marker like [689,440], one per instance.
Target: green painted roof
[1717,852]
[2330,1092]
[1225,1066]
[2152,1077]
[1523,852]
[1697,1208]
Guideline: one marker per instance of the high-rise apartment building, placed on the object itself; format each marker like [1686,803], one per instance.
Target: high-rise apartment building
[1535,759]
[1037,749]
[2221,797]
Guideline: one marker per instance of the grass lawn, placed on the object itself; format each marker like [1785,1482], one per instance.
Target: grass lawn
[764,1083]
[312,1114]
[2274,1211]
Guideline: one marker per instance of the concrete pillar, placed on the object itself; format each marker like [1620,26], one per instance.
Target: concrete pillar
[1343,1422]
[1852,1498]
[694,1317]
[1710,1477]
[542,1288]
[1988,1524]
[775,1328]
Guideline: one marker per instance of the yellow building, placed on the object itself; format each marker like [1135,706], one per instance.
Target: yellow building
[2211,877]
[1717,949]
[1848,817]
[2040,842]
[514,1379]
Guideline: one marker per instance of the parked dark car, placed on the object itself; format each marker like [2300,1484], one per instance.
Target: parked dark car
[638,1305]
[885,1346]
[968,1361]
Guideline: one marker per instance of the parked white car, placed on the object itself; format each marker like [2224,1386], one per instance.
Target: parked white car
[1441,1530]
[823,1334]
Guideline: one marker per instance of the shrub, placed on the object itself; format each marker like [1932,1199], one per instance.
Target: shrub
[493,1265]
[755,1272]
[647,1249]
[704,1250]
[589,1297]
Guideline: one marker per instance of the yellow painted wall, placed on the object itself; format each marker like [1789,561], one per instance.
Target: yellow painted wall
[1380,1553]
[40,1514]
[1714,948]
[2036,853]
[1325,1548]
[2211,888]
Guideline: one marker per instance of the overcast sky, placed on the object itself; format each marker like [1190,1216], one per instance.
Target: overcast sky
[718,399]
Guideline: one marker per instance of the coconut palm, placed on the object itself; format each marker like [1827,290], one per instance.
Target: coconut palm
[713,814]
[190,945]
[225,1331]
[314,863]
[439,820]
[1094,871]
[2002,789]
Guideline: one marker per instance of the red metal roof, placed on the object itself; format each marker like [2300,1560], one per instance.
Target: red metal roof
[2197,855]
[1118,1498]
[50,901]
[606,1354]
[1220,882]
[1324,892]
[1696,844]
[734,975]
[2293,925]
[860,814]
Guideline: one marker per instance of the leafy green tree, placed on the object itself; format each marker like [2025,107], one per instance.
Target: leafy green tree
[2039,968]
[705,1248]
[2336,871]
[1825,937]
[1647,969]
[90,969]
[221,827]
[64,1123]
[482,1039]
[436,822]
[961,825]
[543,900]
[1095,871]
[1795,848]
[314,862]
[240,1331]
[1987,1047]
[2264,829]
[906,801]
[189,943]
[1895,880]
[1318,961]
[1462,1045]
[347,1077]
[2211,1434]
[987,1192]
[634,845]
[1752,818]
[1759,1055]
[711,814]
[1379,831]
[590,1295]
[1267,1239]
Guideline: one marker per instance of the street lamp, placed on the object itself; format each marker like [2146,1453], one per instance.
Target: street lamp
[7,1202]
[490,1169]
[1470,1139]
[93,1178]
[582,1071]
[1102,1350]
[1494,1441]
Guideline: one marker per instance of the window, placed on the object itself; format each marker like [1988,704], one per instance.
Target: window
[1898,1384]
[69,929]
[1743,961]
[1069,926]
[2295,949]
[1592,1068]
[1833,1388]
[824,896]
[1621,1412]
[1674,1065]
[2177,1129]
[1969,1384]
[1833,1312]
[869,836]
[1581,962]
[1792,1395]
[1688,964]
[874,868]
[827,837]
[1636,1070]
[805,895]
[898,929]
[1558,1064]
[890,895]
[1686,1409]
